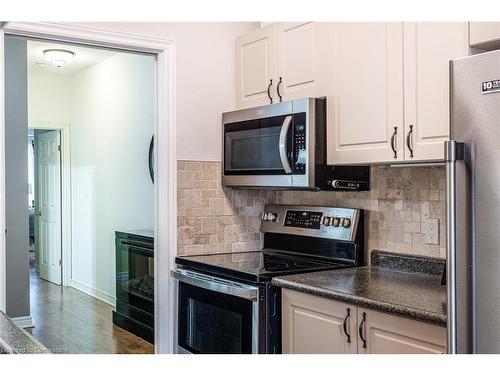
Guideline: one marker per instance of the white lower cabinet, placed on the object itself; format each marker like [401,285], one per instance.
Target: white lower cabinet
[381,333]
[317,325]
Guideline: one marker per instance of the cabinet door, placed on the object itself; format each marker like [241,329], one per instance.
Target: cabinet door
[300,59]
[255,67]
[389,334]
[365,94]
[428,49]
[482,33]
[315,325]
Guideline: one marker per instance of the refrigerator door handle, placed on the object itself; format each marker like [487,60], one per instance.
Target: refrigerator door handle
[453,152]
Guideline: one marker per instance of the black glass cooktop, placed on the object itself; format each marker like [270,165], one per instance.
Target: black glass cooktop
[255,265]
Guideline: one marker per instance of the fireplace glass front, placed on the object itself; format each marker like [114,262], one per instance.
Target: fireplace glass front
[135,283]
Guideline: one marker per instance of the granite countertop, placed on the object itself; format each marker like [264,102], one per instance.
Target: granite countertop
[416,295]
[16,340]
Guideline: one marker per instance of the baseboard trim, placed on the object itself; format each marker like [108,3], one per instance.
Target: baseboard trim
[103,296]
[23,321]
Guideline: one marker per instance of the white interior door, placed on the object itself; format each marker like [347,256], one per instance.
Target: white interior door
[49,205]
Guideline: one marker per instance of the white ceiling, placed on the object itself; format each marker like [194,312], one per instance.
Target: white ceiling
[84,57]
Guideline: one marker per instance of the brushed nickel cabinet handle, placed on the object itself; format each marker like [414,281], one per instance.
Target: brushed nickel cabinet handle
[360,330]
[393,144]
[278,89]
[269,91]
[344,325]
[409,140]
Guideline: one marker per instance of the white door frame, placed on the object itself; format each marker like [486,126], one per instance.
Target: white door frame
[166,154]
[65,129]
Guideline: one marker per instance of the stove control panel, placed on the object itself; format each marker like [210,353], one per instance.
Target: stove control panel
[324,222]
[303,219]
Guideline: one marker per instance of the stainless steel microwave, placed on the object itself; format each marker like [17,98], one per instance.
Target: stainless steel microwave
[283,146]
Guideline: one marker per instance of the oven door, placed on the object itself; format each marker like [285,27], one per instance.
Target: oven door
[216,316]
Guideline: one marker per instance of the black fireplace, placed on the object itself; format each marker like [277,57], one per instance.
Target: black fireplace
[135,283]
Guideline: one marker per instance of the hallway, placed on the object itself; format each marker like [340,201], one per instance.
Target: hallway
[69,321]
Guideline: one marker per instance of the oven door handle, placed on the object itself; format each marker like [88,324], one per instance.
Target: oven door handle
[282,144]
[215,284]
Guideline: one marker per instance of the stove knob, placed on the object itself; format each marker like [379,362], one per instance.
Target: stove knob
[336,221]
[264,216]
[271,216]
[346,222]
[326,221]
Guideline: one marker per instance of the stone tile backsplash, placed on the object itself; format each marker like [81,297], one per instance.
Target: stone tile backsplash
[400,208]
[213,219]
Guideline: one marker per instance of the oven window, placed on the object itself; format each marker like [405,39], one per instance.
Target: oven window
[212,322]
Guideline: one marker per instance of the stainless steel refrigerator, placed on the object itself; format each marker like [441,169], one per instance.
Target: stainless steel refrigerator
[473,205]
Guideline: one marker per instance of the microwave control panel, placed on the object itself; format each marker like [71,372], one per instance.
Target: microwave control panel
[299,144]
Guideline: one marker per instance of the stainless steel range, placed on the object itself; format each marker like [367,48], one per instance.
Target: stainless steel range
[226,303]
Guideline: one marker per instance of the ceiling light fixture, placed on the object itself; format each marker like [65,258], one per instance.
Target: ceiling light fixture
[58,57]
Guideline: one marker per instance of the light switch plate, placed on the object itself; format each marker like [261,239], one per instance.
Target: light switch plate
[431,229]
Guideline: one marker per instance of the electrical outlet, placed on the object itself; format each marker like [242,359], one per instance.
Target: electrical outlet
[431,230]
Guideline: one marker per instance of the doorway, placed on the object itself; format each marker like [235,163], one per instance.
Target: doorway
[165,156]
[45,199]
[107,98]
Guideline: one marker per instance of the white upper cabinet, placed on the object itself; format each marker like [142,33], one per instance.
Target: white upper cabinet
[279,62]
[365,94]
[255,67]
[378,67]
[428,48]
[300,59]
[387,84]
[482,33]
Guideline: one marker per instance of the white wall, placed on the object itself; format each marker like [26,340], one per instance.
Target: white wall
[205,67]
[49,98]
[112,124]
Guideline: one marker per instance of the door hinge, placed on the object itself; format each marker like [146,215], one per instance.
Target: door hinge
[60,262]
[58,147]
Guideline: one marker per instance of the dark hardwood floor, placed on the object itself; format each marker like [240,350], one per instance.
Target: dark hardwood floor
[69,321]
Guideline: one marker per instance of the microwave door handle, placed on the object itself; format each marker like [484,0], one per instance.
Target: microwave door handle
[282,144]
